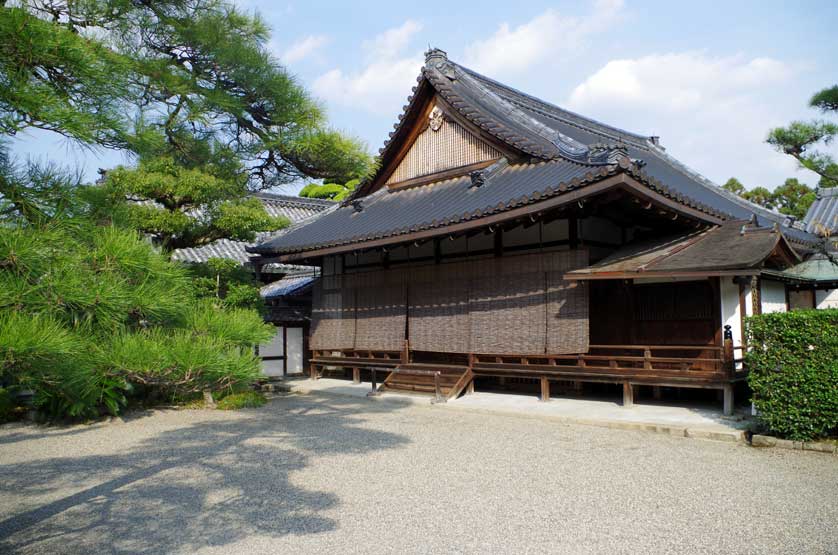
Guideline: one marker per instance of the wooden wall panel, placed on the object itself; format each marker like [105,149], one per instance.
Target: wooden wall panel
[435,151]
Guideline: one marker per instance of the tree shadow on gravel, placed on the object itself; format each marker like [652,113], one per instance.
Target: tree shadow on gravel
[208,484]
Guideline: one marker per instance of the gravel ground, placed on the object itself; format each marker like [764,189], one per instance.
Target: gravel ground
[342,475]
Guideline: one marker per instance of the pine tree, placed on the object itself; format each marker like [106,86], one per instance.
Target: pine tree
[800,139]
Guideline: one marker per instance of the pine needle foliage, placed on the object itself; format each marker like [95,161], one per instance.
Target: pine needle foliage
[87,313]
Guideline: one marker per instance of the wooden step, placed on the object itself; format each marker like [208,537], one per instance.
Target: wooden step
[451,379]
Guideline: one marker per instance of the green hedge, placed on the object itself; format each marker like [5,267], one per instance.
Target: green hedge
[793,364]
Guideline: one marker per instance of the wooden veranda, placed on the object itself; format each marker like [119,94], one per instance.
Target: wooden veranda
[688,366]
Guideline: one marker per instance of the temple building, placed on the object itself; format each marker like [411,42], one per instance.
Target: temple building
[504,240]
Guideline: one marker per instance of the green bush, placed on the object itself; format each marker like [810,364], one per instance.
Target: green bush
[246,400]
[793,371]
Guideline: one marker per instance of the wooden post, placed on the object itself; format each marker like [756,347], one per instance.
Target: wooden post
[312,371]
[628,395]
[406,352]
[647,359]
[656,392]
[728,353]
[284,351]
[356,375]
[728,402]
[545,389]
[470,387]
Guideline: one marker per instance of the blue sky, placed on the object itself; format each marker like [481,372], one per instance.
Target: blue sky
[710,78]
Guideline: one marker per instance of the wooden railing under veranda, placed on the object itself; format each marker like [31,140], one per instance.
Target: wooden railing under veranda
[695,366]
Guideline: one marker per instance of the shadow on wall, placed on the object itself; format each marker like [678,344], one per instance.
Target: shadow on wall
[209,484]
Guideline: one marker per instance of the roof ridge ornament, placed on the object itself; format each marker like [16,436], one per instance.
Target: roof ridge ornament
[435,55]
[607,153]
[479,177]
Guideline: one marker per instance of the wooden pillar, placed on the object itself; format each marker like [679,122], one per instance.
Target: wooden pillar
[405,356]
[312,371]
[545,389]
[356,375]
[656,392]
[284,351]
[728,399]
[470,387]
[728,354]
[628,395]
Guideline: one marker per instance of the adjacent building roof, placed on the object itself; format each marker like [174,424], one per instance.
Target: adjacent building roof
[735,247]
[557,152]
[296,209]
[822,216]
[288,287]
[820,269]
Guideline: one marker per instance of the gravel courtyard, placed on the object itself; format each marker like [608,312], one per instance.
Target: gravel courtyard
[319,474]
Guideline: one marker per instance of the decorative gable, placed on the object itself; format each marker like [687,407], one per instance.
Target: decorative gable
[442,145]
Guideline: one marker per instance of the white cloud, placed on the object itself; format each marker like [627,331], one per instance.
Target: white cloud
[303,48]
[382,85]
[712,113]
[390,44]
[549,35]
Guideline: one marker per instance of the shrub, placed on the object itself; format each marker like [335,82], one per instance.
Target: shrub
[246,400]
[793,365]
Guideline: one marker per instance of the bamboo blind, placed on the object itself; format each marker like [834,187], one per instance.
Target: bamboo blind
[567,304]
[514,304]
[506,306]
[333,313]
[434,151]
[439,311]
[381,310]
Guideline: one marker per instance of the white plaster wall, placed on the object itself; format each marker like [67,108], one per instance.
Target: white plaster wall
[272,348]
[826,298]
[294,340]
[773,296]
[729,293]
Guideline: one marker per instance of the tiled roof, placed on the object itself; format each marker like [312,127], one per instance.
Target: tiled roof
[818,269]
[735,245]
[823,214]
[567,151]
[389,214]
[296,209]
[287,286]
